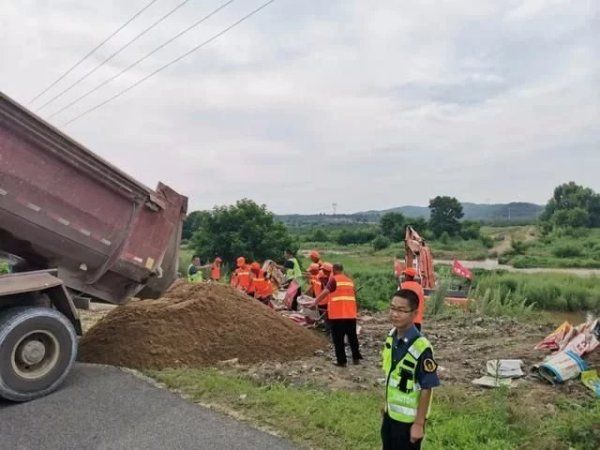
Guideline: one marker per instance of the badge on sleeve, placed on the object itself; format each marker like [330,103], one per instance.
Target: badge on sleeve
[429,365]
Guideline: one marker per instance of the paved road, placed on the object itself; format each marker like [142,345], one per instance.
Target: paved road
[102,407]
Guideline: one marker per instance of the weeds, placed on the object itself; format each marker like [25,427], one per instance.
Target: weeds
[495,303]
[436,303]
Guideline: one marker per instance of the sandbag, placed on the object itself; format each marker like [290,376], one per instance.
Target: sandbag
[560,367]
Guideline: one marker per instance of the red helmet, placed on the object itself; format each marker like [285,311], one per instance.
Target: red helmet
[241,261]
[218,259]
[314,267]
[327,267]
[314,255]
[410,271]
[255,267]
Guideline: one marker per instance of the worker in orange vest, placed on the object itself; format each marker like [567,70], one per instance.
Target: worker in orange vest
[315,258]
[342,313]
[260,286]
[314,286]
[241,276]
[215,270]
[410,283]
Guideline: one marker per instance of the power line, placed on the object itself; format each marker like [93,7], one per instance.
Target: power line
[199,46]
[113,55]
[114,77]
[93,50]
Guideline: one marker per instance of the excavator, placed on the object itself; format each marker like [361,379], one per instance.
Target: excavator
[418,255]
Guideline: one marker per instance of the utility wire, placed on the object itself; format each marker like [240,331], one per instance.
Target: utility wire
[113,55]
[92,51]
[126,69]
[199,46]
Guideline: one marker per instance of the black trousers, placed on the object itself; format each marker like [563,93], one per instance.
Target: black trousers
[396,435]
[339,329]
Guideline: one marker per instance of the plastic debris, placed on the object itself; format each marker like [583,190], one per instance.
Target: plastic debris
[591,380]
[490,381]
[505,368]
[560,367]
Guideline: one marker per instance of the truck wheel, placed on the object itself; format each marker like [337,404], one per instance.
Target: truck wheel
[37,349]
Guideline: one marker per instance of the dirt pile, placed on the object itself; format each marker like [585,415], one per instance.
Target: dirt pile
[195,325]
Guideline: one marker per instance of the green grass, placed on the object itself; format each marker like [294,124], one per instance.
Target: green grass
[462,418]
[553,291]
[561,248]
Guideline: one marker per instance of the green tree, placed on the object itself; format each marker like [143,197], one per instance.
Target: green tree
[445,213]
[244,229]
[469,229]
[572,205]
[193,222]
[392,226]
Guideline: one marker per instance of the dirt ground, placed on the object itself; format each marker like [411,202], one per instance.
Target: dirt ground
[462,345]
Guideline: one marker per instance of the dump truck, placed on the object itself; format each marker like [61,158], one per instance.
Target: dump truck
[74,228]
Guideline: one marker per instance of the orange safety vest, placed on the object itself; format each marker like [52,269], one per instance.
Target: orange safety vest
[417,289]
[316,286]
[215,272]
[242,278]
[261,287]
[342,301]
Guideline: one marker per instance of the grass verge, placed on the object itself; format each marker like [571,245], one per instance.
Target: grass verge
[462,418]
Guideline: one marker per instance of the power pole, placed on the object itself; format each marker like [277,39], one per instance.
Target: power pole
[334,207]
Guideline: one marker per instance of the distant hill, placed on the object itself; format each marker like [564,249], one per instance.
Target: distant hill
[517,212]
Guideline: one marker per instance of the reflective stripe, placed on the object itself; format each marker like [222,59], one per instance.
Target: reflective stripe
[345,283]
[345,298]
[393,382]
[415,352]
[402,410]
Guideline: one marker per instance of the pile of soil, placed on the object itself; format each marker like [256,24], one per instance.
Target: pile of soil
[196,325]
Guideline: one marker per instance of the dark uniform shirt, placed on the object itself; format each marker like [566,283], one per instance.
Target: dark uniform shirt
[426,378]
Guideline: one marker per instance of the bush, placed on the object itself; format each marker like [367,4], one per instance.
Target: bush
[320,236]
[487,241]
[567,251]
[374,289]
[347,237]
[380,242]
[445,238]
[3,267]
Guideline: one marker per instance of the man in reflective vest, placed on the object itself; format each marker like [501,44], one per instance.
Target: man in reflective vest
[194,272]
[260,287]
[314,288]
[341,312]
[215,270]
[411,373]
[410,283]
[241,276]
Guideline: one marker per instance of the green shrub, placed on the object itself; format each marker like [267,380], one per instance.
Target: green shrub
[567,251]
[380,242]
[374,289]
[3,267]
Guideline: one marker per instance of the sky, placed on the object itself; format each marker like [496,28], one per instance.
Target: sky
[366,104]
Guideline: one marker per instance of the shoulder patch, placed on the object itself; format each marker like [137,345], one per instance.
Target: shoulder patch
[429,365]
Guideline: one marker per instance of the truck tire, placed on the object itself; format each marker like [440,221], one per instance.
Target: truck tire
[37,349]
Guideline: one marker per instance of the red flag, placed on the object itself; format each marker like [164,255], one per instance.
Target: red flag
[461,271]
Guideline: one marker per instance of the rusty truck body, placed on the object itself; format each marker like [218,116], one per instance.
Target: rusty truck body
[78,227]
